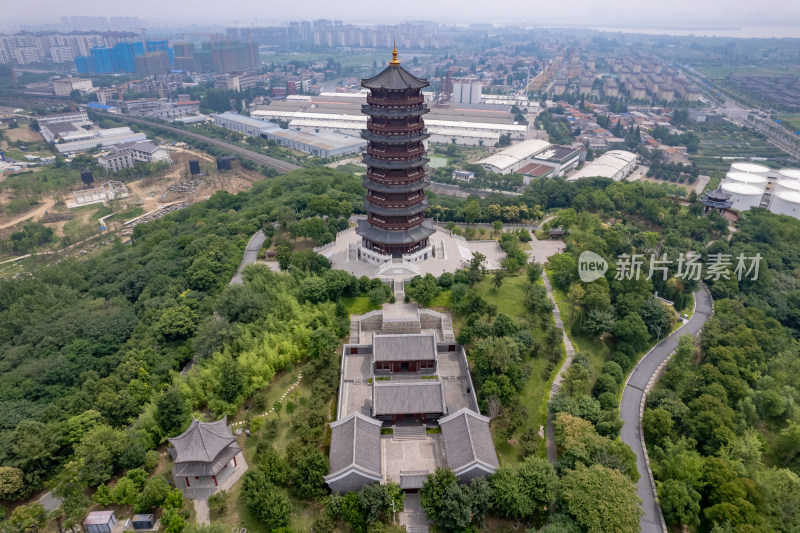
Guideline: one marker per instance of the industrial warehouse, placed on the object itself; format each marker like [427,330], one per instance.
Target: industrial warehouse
[463,124]
[324,144]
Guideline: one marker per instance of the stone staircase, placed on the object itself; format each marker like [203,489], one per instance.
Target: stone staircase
[355,332]
[410,432]
[447,328]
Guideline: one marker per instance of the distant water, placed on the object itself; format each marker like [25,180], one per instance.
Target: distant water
[743,32]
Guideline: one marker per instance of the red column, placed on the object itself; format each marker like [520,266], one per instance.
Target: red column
[215,480]
[234,461]
[187,481]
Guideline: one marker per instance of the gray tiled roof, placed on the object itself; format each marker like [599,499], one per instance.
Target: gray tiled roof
[407,397]
[356,443]
[404,347]
[394,77]
[202,442]
[375,234]
[468,441]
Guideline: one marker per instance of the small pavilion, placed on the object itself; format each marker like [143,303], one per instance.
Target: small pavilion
[205,455]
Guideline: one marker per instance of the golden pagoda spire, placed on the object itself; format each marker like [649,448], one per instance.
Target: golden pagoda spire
[394,60]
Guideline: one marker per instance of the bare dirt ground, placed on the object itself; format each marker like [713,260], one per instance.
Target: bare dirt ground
[148,193]
[24,134]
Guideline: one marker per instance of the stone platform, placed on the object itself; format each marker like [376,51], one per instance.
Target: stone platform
[451,253]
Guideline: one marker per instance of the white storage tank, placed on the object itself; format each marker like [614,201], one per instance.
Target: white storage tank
[743,196]
[755,180]
[750,168]
[787,184]
[786,203]
[789,173]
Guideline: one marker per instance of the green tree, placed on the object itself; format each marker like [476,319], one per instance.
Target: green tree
[27,518]
[632,334]
[538,480]
[432,493]
[125,492]
[476,270]
[680,503]
[153,495]
[601,500]
[472,211]
[171,412]
[266,501]
[12,481]
[102,496]
[173,520]
[510,498]
[230,380]
[177,323]
[497,279]
[309,474]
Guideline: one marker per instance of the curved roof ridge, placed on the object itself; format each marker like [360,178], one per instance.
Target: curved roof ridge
[202,441]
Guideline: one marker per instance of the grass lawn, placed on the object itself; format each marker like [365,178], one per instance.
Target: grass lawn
[508,300]
[304,512]
[598,352]
[359,305]
[126,215]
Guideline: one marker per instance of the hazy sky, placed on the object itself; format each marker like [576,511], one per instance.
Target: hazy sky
[623,13]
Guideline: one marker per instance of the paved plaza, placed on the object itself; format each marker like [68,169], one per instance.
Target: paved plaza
[452,252]
[411,455]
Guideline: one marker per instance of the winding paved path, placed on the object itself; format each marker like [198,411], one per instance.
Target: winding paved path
[550,431]
[643,377]
[250,255]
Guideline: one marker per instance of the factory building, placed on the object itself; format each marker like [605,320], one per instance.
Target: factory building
[246,125]
[317,144]
[64,87]
[127,154]
[467,93]
[614,164]
[514,157]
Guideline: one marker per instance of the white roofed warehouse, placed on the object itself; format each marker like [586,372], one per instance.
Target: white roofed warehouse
[514,157]
[614,164]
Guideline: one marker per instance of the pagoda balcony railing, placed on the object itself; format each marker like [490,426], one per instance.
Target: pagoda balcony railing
[394,112]
[383,202]
[397,212]
[394,164]
[394,138]
[394,128]
[397,155]
[388,179]
[413,100]
[410,223]
[380,186]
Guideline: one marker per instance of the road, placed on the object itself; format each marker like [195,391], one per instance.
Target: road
[39,211]
[631,407]
[250,255]
[255,157]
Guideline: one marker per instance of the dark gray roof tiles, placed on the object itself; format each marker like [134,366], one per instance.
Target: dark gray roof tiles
[400,397]
[468,441]
[415,234]
[356,443]
[202,441]
[404,347]
[394,78]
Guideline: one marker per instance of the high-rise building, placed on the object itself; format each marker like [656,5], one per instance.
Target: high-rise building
[395,159]
[101,60]
[122,57]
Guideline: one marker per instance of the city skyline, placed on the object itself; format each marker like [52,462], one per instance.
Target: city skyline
[682,15]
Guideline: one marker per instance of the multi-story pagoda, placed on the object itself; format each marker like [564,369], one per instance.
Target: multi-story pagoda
[395,159]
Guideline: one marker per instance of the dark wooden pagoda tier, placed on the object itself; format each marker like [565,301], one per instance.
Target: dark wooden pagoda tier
[395,160]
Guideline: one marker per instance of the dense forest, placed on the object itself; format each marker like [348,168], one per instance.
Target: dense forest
[88,346]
